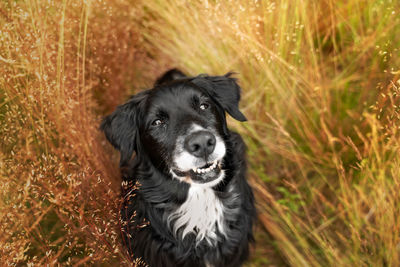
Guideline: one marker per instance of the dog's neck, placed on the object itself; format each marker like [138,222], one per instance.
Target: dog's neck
[201,214]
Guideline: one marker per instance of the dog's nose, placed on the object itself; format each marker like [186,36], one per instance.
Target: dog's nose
[200,144]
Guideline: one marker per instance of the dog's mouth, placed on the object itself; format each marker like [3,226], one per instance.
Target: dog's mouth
[201,175]
[206,168]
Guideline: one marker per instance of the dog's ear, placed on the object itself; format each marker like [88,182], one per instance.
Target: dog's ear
[224,90]
[121,127]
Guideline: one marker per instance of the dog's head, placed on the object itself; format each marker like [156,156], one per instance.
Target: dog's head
[180,127]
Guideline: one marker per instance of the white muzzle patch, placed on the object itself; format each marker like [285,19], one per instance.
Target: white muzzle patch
[184,161]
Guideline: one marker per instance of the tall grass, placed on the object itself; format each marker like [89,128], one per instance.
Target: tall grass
[316,76]
[61,63]
[321,91]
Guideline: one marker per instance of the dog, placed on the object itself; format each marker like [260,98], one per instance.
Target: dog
[186,200]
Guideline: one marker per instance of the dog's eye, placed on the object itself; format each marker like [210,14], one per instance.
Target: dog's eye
[157,122]
[204,106]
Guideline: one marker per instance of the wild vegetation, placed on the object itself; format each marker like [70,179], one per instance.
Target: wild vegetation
[321,89]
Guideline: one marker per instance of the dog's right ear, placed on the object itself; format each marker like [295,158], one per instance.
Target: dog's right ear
[224,90]
[121,127]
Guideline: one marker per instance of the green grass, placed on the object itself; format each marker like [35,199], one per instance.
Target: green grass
[320,86]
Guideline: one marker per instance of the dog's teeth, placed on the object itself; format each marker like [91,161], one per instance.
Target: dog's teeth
[210,168]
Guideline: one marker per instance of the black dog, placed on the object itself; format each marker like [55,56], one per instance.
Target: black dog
[186,198]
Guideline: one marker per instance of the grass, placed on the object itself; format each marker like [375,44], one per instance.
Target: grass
[321,88]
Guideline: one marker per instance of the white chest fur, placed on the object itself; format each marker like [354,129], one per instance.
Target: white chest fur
[202,214]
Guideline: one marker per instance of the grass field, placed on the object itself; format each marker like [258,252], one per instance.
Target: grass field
[321,90]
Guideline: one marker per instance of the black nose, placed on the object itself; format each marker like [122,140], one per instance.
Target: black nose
[200,144]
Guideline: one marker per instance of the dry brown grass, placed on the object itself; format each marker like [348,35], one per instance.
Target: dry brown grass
[62,62]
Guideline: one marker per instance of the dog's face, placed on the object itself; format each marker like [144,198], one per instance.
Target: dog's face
[180,127]
[183,131]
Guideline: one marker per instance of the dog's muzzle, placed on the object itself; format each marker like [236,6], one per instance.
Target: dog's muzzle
[199,157]
[200,144]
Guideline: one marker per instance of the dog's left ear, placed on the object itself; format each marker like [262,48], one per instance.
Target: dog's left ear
[225,90]
[121,127]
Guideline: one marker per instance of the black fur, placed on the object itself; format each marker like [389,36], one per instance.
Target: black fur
[151,194]
[169,76]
